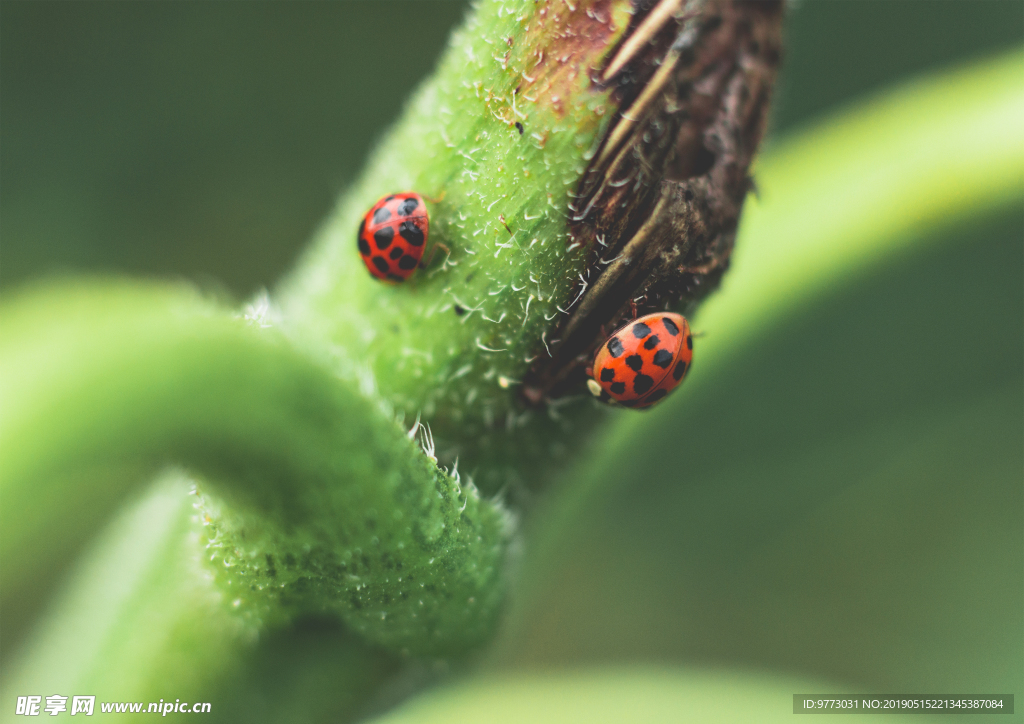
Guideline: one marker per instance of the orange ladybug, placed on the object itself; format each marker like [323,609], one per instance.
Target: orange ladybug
[393,235]
[643,361]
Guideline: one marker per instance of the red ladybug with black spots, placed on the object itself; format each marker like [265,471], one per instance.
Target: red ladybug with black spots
[643,361]
[392,236]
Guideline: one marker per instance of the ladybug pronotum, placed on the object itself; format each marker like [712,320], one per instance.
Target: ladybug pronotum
[392,236]
[643,361]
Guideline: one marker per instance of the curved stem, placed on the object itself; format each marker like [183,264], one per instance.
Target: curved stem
[141,602]
[333,507]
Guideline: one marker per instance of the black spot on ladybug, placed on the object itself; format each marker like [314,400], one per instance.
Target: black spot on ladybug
[689,342]
[381,215]
[378,261]
[411,233]
[396,278]
[635,362]
[389,198]
[406,262]
[362,227]
[364,248]
[459,310]
[607,374]
[670,326]
[680,370]
[618,388]
[663,358]
[615,347]
[651,342]
[655,396]
[383,237]
[641,330]
[407,207]
[642,383]
[519,127]
[396,252]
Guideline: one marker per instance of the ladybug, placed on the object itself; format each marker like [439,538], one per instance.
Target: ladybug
[643,361]
[392,236]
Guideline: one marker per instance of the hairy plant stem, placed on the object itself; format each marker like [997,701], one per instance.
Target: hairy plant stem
[313,499]
[142,601]
[322,502]
[511,139]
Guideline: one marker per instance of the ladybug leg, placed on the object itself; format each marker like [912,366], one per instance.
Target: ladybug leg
[633,303]
[437,200]
[437,245]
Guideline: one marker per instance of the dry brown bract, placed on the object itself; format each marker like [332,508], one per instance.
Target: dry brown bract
[659,204]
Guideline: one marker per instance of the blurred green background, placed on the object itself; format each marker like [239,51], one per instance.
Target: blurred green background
[845,502]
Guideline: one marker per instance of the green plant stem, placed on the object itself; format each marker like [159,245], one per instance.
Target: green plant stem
[332,507]
[142,601]
[497,140]
[137,603]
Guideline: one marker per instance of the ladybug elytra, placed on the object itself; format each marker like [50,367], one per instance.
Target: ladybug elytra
[643,360]
[392,236]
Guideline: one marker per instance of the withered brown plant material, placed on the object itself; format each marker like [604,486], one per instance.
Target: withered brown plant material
[659,204]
